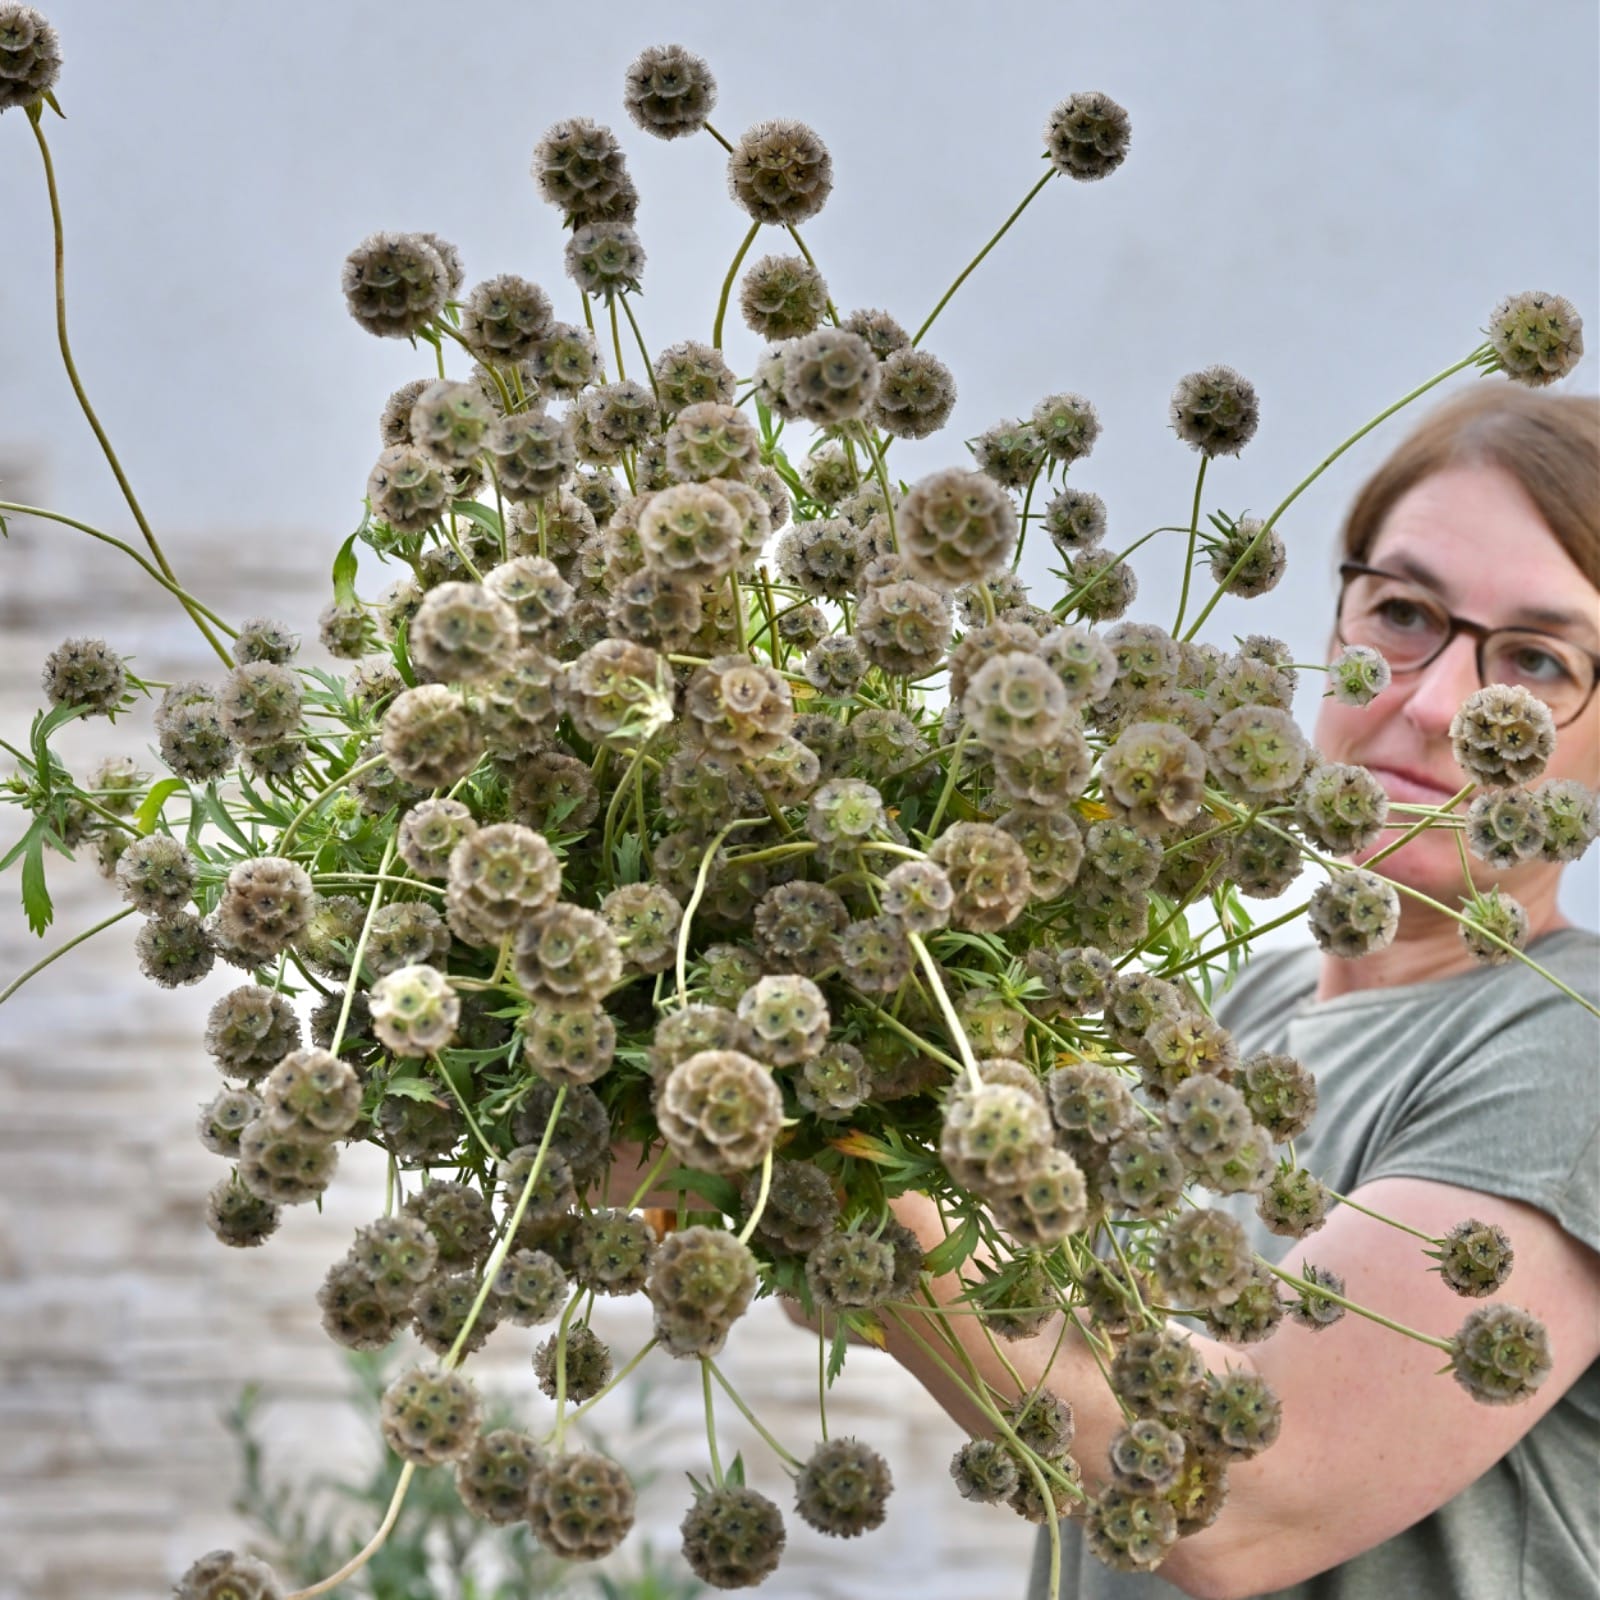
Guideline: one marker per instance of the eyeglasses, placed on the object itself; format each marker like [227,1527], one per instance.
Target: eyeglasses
[1408,625]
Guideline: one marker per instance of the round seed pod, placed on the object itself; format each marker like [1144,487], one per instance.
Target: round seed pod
[1341,808]
[1315,1310]
[1256,751]
[830,376]
[498,876]
[395,284]
[985,1470]
[1500,1355]
[1260,561]
[1537,337]
[397,1255]
[788,1018]
[645,918]
[579,168]
[530,1288]
[797,925]
[430,737]
[286,1168]
[414,1011]
[1294,1203]
[988,873]
[494,1478]
[1215,411]
[568,1046]
[1354,914]
[874,955]
[1101,585]
[1144,1172]
[1502,735]
[451,422]
[1086,136]
[441,1309]
[843,1487]
[503,319]
[1091,1101]
[605,258]
[955,527]
[82,672]
[238,1218]
[588,1364]
[669,92]
[780,172]
[567,957]
[691,373]
[614,1252]
[1474,1258]
[701,1282]
[1146,1456]
[1130,1532]
[801,1208]
[311,1094]
[1052,1203]
[457,1217]
[1280,1093]
[903,628]
[221,1575]
[581,1506]
[156,875]
[1011,453]
[1159,1373]
[691,532]
[994,1138]
[224,1118]
[1239,1415]
[175,950]
[720,1111]
[782,297]
[733,1537]
[462,631]
[430,1417]
[265,906]
[428,833]
[1505,826]
[189,728]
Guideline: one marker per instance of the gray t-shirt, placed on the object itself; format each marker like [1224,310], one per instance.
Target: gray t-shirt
[1489,1080]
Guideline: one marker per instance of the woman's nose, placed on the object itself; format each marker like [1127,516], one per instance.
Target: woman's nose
[1440,687]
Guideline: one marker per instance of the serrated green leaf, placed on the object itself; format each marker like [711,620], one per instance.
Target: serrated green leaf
[413,1089]
[149,812]
[36,902]
[837,1350]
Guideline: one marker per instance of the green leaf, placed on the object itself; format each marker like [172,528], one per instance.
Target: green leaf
[836,1351]
[413,1089]
[475,511]
[953,1249]
[211,804]
[344,570]
[149,812]
[718,1191]
[36,900]
[402,656]
[735,1472]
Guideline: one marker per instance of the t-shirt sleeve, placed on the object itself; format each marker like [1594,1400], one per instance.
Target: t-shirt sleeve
[1513,1107]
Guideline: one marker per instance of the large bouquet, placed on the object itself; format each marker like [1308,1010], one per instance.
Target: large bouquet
[712,840]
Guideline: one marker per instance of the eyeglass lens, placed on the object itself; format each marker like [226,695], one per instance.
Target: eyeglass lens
[1408,626]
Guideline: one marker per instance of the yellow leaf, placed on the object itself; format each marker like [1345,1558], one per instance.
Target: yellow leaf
[863,1147]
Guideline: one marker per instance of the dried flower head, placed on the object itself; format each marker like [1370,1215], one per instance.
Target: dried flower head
[1494,922]
[1086,136]
[1500,1354]
[668,91]
[712,440]
[83,672]
[1354,914]
[1503,735]
[1357,675]
[1066,426]
[782,297]
[395,284]
[830,376]
[221,1575]
[580,169]
[265,906]
[955,527]
[1215,411]
[691,373]
[408,489]
[605,258]
[1571,818]
[780,172]
[1537,337]
[733,1537]
[1260,558]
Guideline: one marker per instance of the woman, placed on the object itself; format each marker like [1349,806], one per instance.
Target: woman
[1448,1089]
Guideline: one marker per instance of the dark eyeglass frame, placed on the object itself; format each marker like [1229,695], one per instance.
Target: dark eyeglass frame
[1477,631]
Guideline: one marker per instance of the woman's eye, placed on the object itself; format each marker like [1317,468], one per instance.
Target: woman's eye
[1533,665]
[1402,614]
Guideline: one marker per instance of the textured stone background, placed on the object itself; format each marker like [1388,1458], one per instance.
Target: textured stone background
[1325,196]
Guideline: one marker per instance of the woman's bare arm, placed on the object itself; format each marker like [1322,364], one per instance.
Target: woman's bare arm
[1372,1439]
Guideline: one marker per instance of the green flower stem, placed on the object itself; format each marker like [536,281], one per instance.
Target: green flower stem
[895,1025]
[881,472]
[727,283]
[190,604]
[562,1419]
[699,894]
[36,121]
[822,1381]
[502,1247]
[644,353]
[1075,597]
[750,1417]
[648,1181]
[616,339]
[936,982]
[952,773]
[1194,535]
[618,798]
[61,950]
[316,800]
[718,137]
[373,1545]
[360,951]
[1327,461]
[711,1421]
[1350,1305]
[1238,939]
[1378,1216]
[1022,521]
[588,311]
[466,1110]
[325,879]
[1455,916]
[615,1382]
[810,260]
[988,604]
[967,271]
[761,1199]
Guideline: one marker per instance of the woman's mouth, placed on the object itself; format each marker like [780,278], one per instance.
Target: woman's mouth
[1410,788]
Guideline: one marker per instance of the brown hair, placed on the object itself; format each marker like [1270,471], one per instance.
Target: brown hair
[1550,443]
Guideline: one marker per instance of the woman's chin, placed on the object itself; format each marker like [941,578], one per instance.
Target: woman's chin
[1430,865]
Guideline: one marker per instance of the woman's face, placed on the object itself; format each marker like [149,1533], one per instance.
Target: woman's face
[1473,536]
